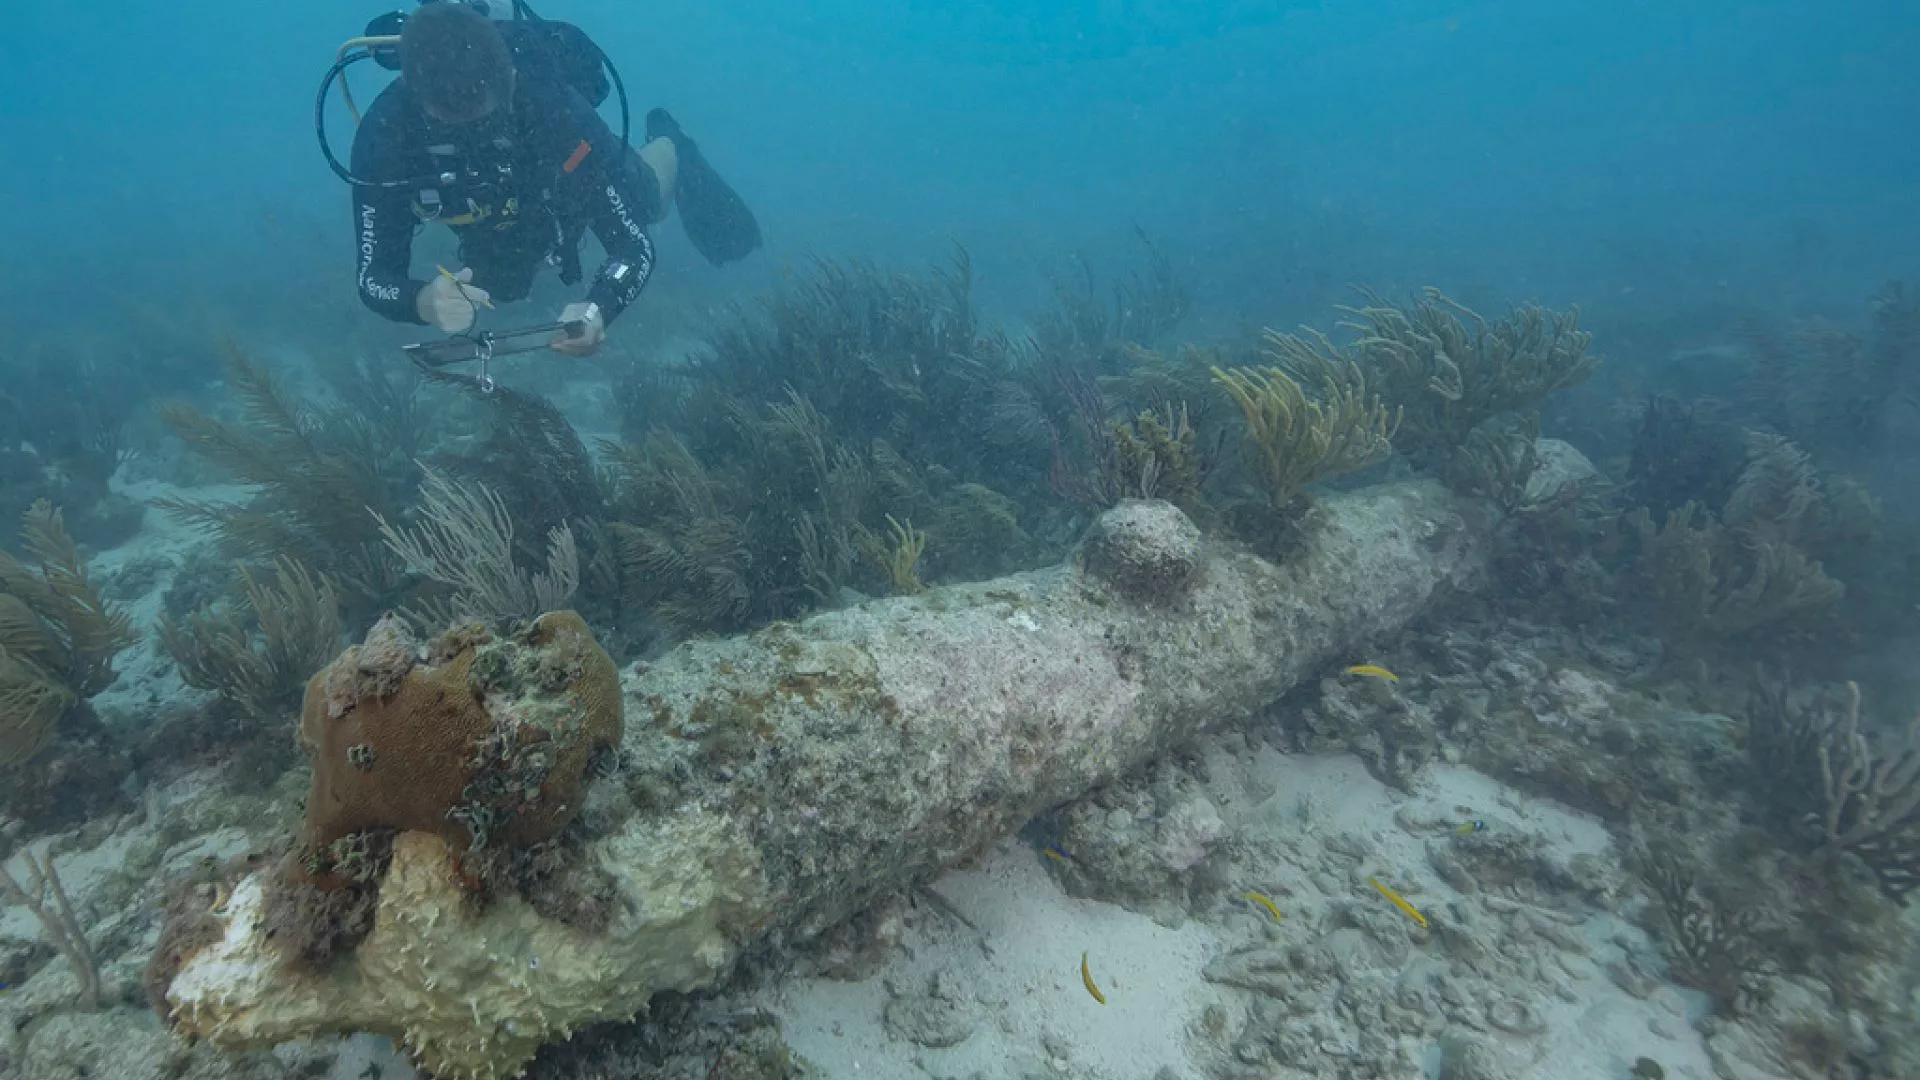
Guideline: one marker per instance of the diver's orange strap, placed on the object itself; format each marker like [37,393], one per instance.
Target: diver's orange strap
[579,155]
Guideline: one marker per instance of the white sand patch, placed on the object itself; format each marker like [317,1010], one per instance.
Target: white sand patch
[146,674]
[1031,1003]
[1468,795]
[1029,1013]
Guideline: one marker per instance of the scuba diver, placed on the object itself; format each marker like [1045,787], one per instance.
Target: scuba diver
[491,129]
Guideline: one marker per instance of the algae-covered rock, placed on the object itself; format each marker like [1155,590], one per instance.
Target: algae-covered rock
[1562,470]
[937,1015]
[1147,550]
[474,992]
[118,1045]
[1376,720]
[1465,1058]
[687,1037]
[1143,844]
[1795,1030]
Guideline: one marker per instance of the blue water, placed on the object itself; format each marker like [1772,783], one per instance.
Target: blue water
[1683,171]
[1615,153]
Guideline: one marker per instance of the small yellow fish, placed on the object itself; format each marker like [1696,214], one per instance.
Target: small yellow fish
[1399,902]
[1372,671]
[1264,901]
[1053,851]
[1086,977]
[1467,828]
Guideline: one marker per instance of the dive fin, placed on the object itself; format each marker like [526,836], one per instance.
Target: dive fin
[715,217]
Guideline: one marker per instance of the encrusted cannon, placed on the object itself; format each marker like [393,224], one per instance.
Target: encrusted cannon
[771,786]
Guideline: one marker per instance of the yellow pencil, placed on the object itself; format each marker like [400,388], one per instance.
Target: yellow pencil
[449,275]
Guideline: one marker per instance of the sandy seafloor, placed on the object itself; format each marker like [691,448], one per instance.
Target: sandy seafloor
[1002,999]
[1029,1016]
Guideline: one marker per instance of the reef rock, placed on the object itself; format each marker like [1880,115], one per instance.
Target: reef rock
[1563,469]
[1147,550]
[1142,843]
[937,1016]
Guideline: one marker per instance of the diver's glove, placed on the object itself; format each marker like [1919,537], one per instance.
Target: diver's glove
[449,303]
[593,329]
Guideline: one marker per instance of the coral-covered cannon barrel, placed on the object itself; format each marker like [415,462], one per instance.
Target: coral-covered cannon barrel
[770,786]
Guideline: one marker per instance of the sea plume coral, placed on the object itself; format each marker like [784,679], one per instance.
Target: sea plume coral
[1297,439]
[1872,797]
[1709,582]
[1857,794]
[1836,391]
[1746,569]
[58,638]
[315,476]
[257,651]
[464,540]
[1452,369]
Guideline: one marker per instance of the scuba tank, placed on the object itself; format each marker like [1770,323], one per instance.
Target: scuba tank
[544,50]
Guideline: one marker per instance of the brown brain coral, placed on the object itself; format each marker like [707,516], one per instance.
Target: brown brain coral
[485,741]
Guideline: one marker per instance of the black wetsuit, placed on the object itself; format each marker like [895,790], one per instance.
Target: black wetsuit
[549,172]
